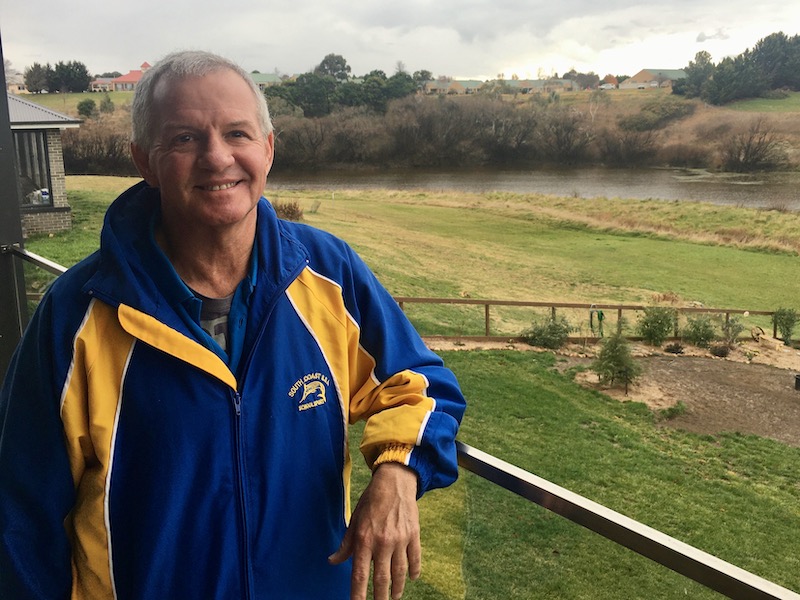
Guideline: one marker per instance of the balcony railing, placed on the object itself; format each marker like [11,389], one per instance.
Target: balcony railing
[714,573]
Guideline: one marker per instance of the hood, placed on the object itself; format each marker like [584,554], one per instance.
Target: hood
[127,255]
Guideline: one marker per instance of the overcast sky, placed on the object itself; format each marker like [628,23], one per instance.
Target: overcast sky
[460,38]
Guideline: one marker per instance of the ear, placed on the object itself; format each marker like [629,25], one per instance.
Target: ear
[270,150]
[142,161]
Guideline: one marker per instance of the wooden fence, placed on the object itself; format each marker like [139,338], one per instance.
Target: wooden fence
[555,306]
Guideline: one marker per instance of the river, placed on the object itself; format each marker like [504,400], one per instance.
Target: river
[762,190]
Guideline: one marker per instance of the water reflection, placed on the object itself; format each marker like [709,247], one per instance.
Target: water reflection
[763,190]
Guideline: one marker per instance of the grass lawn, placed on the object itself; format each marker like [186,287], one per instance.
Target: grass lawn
[734,496]
[767,105]
[68,103]
[731,495]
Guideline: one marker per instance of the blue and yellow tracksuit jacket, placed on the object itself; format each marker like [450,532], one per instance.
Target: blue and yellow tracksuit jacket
[135,464]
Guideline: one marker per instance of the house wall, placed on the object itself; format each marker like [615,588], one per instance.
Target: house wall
[58,217]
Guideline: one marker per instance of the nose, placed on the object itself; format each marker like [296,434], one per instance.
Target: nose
[216,153]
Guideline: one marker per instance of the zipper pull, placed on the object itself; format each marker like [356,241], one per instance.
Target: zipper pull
[237,403]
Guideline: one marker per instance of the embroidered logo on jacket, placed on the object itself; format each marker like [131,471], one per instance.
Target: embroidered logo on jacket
[311,390]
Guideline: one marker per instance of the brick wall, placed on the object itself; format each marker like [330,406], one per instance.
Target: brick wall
[45,220]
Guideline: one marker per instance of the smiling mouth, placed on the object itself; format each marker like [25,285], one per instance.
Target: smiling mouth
[217,188]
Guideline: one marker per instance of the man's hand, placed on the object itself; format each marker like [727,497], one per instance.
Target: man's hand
[384,530]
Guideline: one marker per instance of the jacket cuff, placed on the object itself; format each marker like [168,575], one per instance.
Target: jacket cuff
[393,453]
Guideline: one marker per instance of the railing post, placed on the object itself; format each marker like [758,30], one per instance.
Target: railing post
[13,306]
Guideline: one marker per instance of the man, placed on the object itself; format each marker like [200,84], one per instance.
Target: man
[174,422]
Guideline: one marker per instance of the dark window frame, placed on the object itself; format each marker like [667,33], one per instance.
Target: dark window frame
[33,161]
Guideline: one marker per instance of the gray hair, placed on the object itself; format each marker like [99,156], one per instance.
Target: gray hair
[177,66]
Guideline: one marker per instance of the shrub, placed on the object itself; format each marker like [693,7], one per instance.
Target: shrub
[785,320]
[676,410]
[87,108]
[106,105]
[656,324]
[551,332]
[760,148]
[720,350]
[98,150]
[615,363]
[699,331]
[674,348]
[288,211]
[732,328]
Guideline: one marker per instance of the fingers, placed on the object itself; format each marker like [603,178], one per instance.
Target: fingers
[384,534]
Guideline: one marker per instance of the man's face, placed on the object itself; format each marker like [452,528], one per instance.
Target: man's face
[209,155]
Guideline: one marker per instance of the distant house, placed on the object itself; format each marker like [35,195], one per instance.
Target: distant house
[102,84]
[264,80]
[436,87]
[15,84]
[464,86]
[653,78]
[128,82]
[40,165]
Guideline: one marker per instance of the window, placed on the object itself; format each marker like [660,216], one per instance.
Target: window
[34,167]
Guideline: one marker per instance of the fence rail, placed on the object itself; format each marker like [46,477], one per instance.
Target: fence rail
[714,573]
[554,306]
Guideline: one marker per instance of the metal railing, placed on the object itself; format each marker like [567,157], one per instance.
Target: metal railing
[37,260]
[714,573]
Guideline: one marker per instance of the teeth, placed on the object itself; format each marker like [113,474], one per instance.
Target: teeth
[216,188]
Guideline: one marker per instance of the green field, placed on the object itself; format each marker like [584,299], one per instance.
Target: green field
[68,103]
[768,105]
[734,496]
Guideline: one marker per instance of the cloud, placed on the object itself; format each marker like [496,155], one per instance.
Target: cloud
[719,35]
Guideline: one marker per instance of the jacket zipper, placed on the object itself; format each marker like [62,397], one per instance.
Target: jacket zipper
[240,479]
[237,407]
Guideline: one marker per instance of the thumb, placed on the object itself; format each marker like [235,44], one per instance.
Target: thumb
[344,552]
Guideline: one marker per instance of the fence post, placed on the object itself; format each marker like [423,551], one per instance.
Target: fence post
[619,320]
[486,317]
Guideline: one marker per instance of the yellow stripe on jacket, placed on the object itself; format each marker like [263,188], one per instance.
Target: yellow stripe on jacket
[89,410]
[389,434]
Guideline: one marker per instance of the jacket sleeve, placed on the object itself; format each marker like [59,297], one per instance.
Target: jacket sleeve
[411,402]
[36,488]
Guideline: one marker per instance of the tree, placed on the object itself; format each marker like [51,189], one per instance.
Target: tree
[399,85]
[374,90]
[734,79]
[10,71]
[72,76]
[87,108]
[36,78]
[422,77]
[335,66]
[698,73]
[109,74]
[778,58]
[314,93]
[615,363]
[106,104]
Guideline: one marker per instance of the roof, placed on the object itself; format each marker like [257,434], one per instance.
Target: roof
[671,74]
[265,78]
[130,77]
[29,115]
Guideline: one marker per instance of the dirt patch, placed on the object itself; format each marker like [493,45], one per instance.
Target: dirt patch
[752,391]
